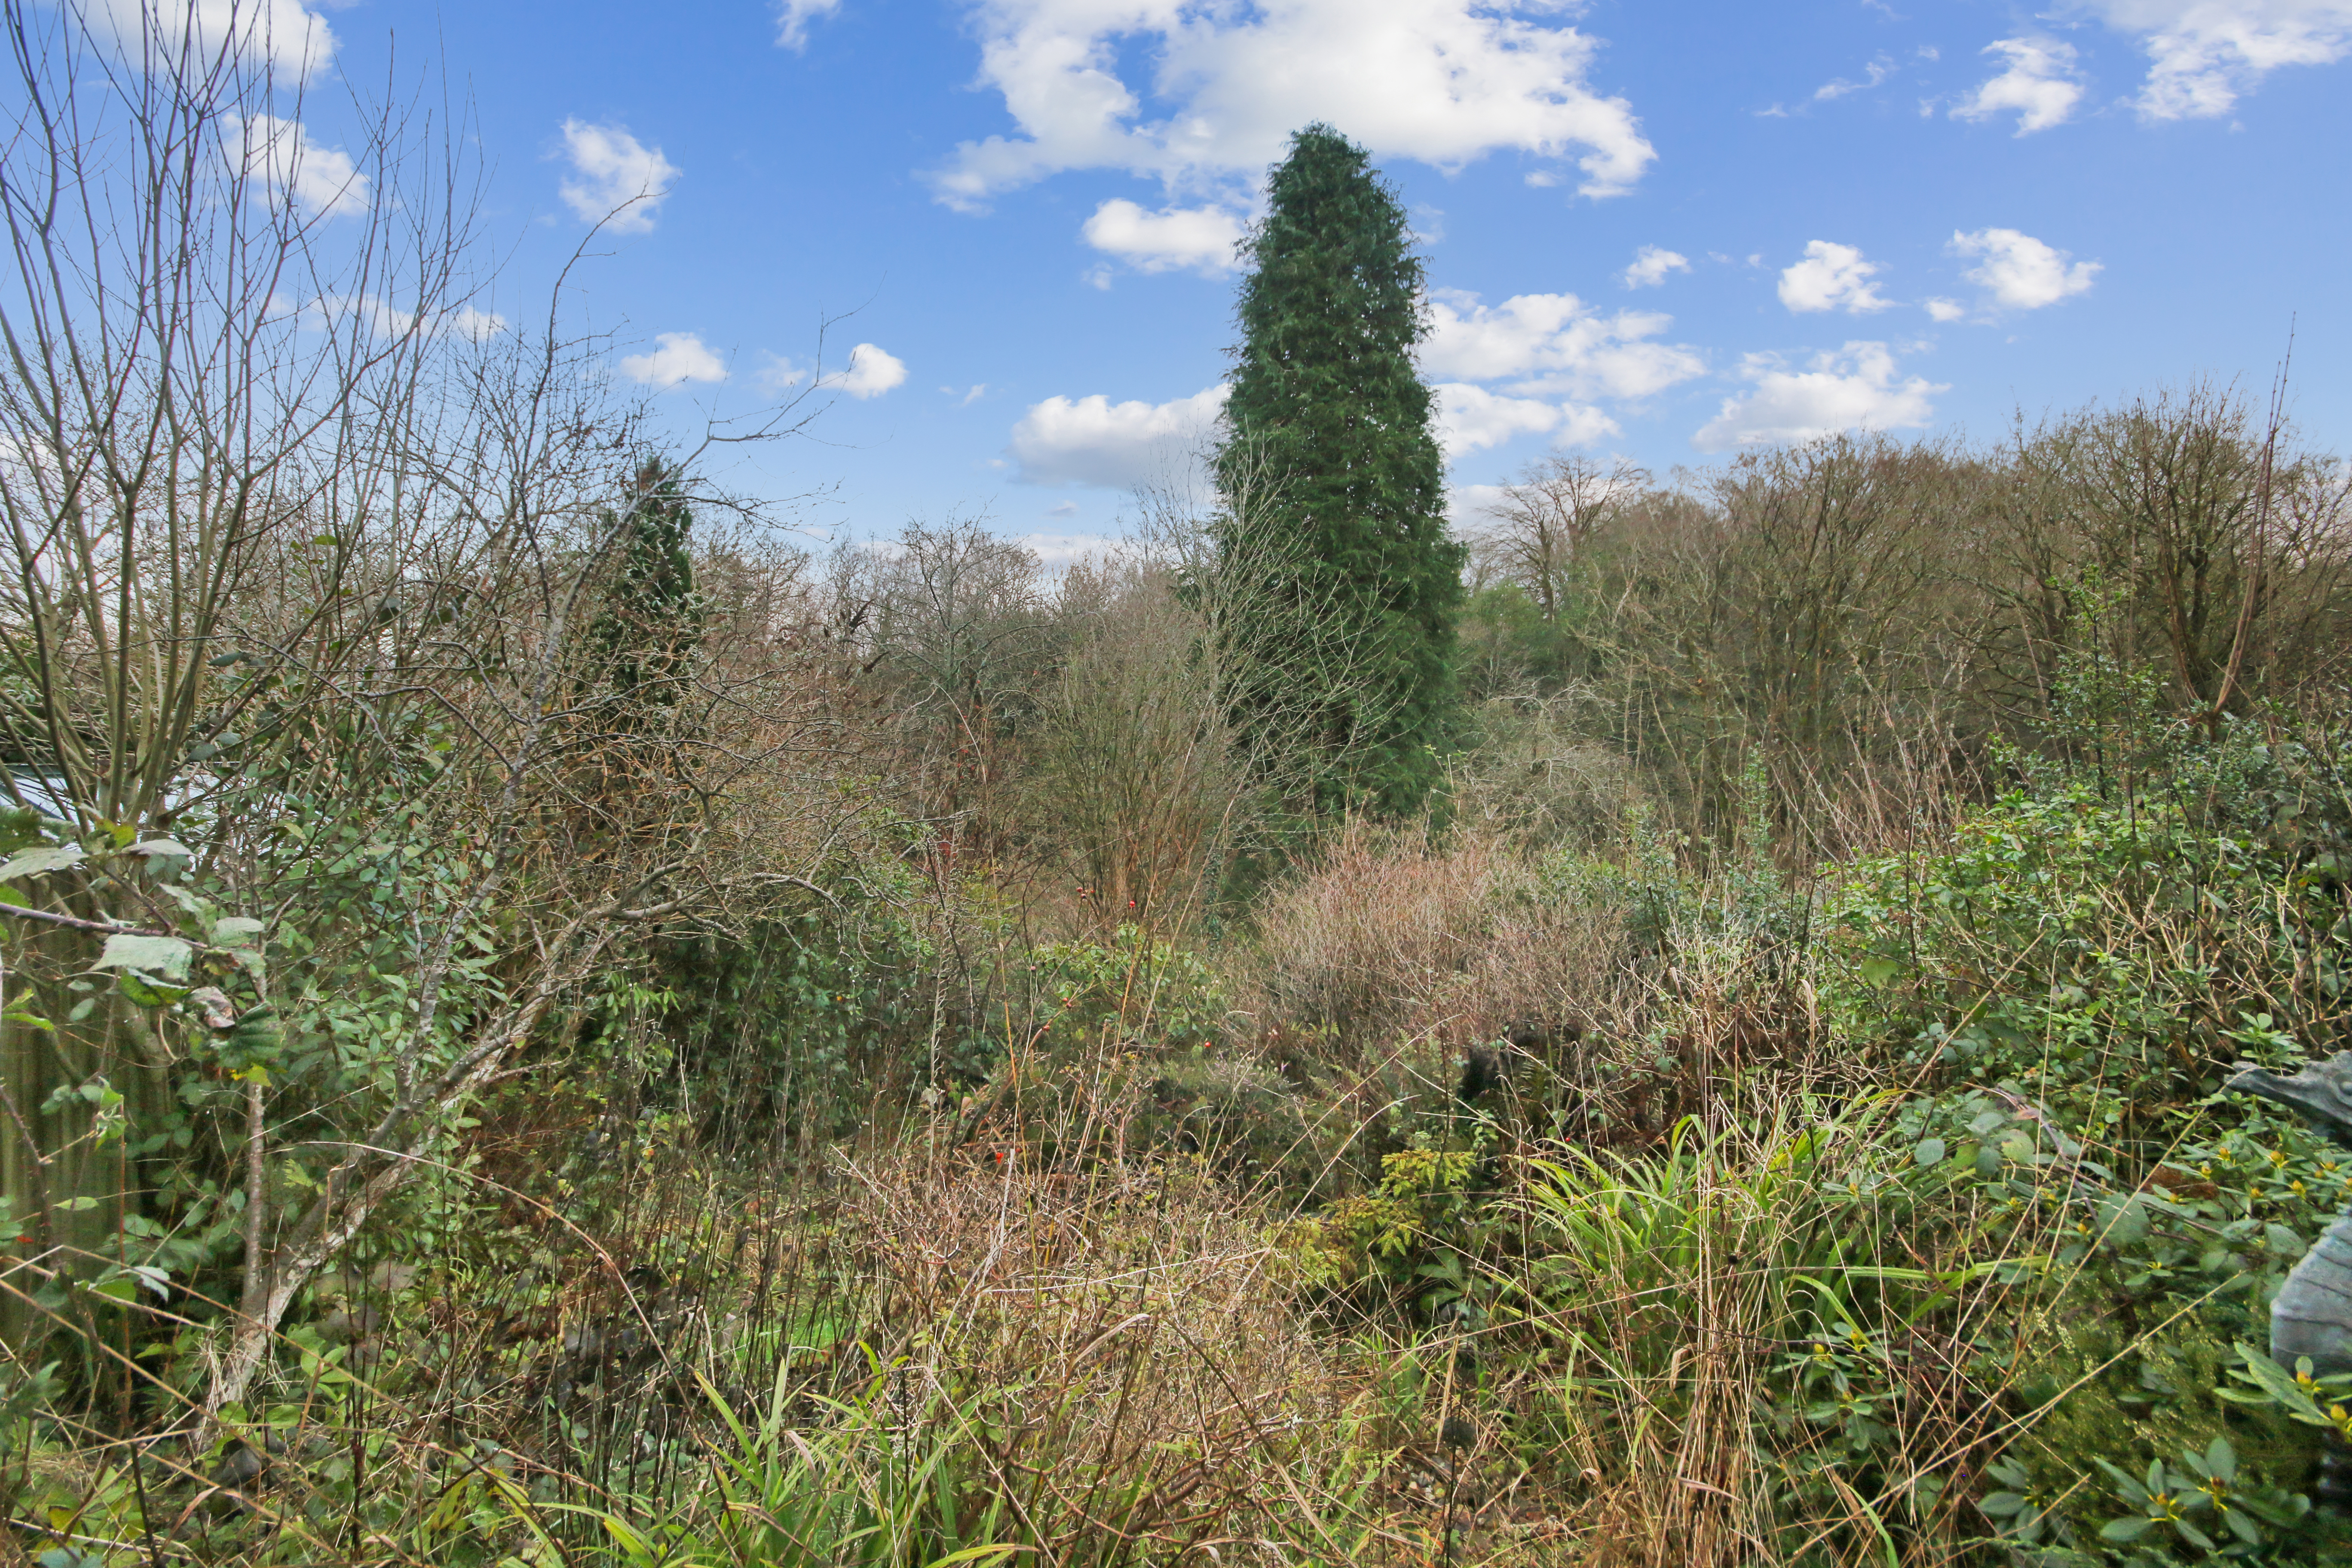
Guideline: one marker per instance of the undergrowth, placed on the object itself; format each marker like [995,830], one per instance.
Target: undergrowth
[1497,1205]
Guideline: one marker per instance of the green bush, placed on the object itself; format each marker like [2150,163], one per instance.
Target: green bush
[2119,949]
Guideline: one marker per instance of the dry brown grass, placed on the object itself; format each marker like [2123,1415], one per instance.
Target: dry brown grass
[1395,934]
[1129,1324]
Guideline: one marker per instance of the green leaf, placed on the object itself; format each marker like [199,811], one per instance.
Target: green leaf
[146,992]
[2125,1528]
[2126,1482]
[237,931]
[41,859]
[254,1041]
[2011,1473]
[639,1548]
[166,956]
[2000,1505]
[2194,1536]
[1930,1152]
[2122,1221]
[167,847]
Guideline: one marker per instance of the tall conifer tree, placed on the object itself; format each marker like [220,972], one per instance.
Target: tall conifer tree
[1331,446]
[641,643]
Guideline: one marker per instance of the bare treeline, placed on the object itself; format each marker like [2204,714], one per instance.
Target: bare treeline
[1863,617]
[1855,625]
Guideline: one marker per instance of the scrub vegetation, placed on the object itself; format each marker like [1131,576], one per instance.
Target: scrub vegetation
[1682,1021]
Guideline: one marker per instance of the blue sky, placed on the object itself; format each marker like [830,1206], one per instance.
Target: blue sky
[1661,230]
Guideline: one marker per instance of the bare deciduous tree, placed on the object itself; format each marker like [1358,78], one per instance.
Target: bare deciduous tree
[303,548]
[1541,521]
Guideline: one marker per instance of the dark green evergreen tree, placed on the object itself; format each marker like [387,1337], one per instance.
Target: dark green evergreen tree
[641,644]
[1329,452]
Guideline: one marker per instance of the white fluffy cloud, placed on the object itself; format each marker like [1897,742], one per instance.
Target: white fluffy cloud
[1201,240]
[1877,71]
[285,35]
[1553,345]
[870,373]
[1056,551]
[281,155]
[1466,506]
[471,324]
[2022,273]
[1094,441]
[1443,81]
[2039,84]
[1469,418]
[381,319]
[1944,310]
[1852,388]
[2204,52]
[793,19]
[677,358]
[1832,277]
[1651,265]
[777,374]
[616,180]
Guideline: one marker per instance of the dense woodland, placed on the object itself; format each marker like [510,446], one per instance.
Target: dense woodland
[548,1020]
